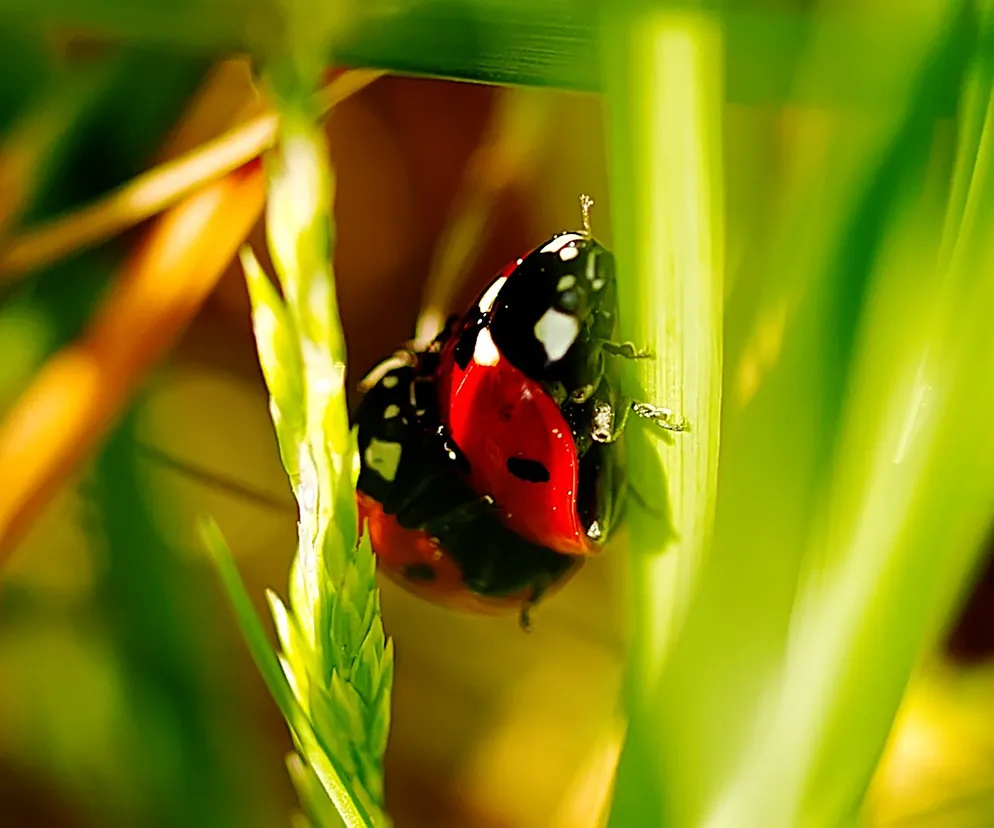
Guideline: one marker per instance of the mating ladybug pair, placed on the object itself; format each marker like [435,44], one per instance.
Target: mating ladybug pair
[489,465]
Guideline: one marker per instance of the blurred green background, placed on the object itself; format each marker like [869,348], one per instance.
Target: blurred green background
[848,137]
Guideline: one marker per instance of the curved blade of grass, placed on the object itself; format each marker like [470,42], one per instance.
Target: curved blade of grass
[708,754]
[663,72]
[870,575]
[272,673]
[909,520]
[319,808]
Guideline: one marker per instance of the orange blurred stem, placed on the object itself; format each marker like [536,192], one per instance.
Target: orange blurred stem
[78,395]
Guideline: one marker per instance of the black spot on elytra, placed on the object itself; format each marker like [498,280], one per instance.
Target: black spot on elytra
[419,572]
[527,469]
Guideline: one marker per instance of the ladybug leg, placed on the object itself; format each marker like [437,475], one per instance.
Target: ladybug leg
[609,414]
[662,417]
[625,350]
[524,619]
[539,587]
[607,422]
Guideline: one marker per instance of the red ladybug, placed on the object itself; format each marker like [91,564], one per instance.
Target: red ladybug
[489,466]
[530,393]
[430,532]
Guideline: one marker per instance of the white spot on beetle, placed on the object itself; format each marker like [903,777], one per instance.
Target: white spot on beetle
[597,284]
[557,331]
[566,282]
[383,457]
[488,298]
[391,411]
[389,382]
[559,242]
[568,253]
[486,352]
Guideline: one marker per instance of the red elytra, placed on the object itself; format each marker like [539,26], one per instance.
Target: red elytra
[496,414]
[398,548]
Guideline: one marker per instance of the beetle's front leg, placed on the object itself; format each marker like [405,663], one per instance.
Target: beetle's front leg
[662,417]
[625,350]
[607,423]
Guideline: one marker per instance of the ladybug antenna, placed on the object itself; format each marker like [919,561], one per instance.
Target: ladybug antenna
[586,202]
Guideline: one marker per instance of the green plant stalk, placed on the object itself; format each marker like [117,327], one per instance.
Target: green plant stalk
[318,808]
[663,73]
[336,661]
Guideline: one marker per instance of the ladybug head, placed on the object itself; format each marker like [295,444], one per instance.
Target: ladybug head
[554,302]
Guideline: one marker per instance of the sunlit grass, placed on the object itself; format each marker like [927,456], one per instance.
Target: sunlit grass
[813,531]
[663,73]
[838,549]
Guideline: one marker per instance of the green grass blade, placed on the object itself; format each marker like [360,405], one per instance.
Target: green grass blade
[316,752]
[554,44]
[663,72]
[763,710]
[904,521]
[319,808]
[558,44]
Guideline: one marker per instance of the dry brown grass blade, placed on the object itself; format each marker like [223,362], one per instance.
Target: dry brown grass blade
[79,393]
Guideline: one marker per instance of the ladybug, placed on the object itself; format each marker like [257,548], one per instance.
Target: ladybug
[529,391]
[432,534]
